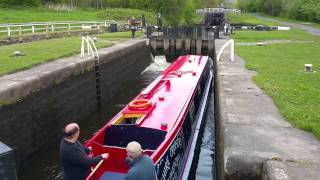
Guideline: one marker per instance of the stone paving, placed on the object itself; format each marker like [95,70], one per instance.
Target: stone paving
[255,139]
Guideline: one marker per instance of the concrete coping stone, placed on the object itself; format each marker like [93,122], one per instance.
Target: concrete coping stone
[18,85]
[282,170]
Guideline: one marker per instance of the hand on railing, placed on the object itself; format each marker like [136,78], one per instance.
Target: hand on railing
[105,156]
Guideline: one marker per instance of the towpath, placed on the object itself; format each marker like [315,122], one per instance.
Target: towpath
[312,30]
[255,140]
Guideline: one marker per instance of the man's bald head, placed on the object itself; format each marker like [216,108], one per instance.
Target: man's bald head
[134,149]
[70,130]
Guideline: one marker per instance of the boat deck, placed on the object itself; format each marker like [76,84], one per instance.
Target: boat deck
[112,175]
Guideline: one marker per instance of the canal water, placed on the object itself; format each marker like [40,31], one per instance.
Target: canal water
[45,164]
[206,169]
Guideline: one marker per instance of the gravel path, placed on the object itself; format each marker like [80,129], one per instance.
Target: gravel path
[309,29]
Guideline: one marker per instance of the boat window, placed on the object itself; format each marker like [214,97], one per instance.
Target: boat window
[192,112]
[129,119]
[203,80]
[121,135]
[197,98]
[186,126]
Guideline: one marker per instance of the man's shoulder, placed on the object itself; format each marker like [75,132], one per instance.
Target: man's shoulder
[147,158]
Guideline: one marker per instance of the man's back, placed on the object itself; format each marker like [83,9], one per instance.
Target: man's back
[75,161]
[69,153]
[143,169]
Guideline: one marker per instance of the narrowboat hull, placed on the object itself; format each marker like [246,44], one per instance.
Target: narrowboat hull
[166,125]
[176,163]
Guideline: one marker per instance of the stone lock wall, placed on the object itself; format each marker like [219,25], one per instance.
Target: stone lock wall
[45,98]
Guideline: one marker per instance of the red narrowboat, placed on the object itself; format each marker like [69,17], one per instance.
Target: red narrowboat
[164,118]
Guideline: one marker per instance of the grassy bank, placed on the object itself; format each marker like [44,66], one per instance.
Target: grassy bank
[281,75]
[43,51]
[258,36]
[43,15]
[248,19]
[316,25]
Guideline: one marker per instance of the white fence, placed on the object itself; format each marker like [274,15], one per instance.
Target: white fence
[12,29]
[215,10]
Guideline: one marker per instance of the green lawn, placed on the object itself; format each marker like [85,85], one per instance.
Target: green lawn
[280,73]
[24,14]
[42,51]
[316,25]
[257,36]
[248,19]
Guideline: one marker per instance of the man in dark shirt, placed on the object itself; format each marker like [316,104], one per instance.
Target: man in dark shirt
[73,154]
[141,166]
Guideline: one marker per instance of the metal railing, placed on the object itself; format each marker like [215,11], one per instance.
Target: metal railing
[86,41]
[93,171]
[231,42]
[11,29]
[177,32]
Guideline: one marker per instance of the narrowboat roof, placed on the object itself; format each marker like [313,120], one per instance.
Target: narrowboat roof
[168,94]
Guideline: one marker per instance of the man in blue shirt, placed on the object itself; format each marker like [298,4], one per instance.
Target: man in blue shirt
[141,166]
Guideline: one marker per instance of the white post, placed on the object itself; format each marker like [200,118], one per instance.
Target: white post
[88,46]
[82,47]
[32,29]
[52,28]
[232,50]
[9,32]
[69,30]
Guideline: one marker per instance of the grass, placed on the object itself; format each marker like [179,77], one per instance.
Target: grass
[125,14]
[257,36]
[43,51]
[316,25]
[280,74]
[10,15]
[248,19]
[280,71]
[119,35]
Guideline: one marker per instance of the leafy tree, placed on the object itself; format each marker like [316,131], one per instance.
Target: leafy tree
[174,11]
[308,10]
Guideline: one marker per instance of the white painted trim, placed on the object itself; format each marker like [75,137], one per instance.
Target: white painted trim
[199,121]
[231,42]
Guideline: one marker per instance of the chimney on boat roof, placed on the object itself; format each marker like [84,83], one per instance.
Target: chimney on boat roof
[161,97]
[164,125]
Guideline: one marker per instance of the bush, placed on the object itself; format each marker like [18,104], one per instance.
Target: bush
[121,14]
[10,3]
[307,10]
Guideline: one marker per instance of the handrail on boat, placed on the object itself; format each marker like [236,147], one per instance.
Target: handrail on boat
[94,170]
